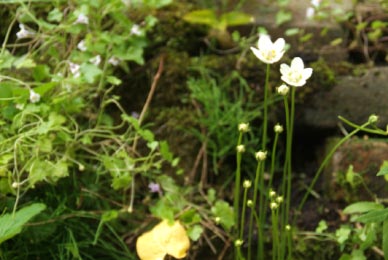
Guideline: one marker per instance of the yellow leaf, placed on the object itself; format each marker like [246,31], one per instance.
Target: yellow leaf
[163,239]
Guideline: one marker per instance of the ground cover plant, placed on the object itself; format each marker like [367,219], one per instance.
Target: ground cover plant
[85,172]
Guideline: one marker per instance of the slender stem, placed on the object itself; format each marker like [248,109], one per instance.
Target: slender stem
[265,109]
[237,183]
[272,170]
[326,160]
[289,169]
[275,234]
[243,213]
[255,191]
[367,130]
[283,206]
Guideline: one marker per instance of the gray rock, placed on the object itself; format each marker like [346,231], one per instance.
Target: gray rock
[354,98]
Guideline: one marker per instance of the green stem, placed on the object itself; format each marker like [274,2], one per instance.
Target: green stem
[326,160]
[265,109]
[255,191]
[243,213]
[367,130]
[237,183]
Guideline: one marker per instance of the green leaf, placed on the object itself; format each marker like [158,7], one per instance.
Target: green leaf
[39,171]
[385,239]
[236,18]
[282,17]
[90,72]
[378,215]
[195,232]
[41,72]
[165,151]
[322,226]
[362,207]
[24,62]
[211,195]
[383,169]
[342,234]
[204,16]
[225,213]
[55,15]
[113,80]
[11,225]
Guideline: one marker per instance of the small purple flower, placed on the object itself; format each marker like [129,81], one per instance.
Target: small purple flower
[154,187]
[82,19]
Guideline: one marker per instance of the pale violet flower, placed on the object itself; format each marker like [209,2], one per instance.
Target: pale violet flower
[310,12]
[82,45]
[135,30]
[34,97]
[96,60]
[24,32]
[114,61]
[154,187]
[269,52]
[75,69]
[296,74]
[82,19]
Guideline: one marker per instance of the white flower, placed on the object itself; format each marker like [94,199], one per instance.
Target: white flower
[295,75]
[19,106]
[82,46]
[24,33]
[82,19]
[267,51]
[96,60]
[283,89]
[34,97]
[75,69]
[135,30]
[261,156]
[315,3]
[114,61]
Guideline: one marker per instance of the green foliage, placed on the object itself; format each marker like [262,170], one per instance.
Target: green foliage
[209,17]
[11,224]
[225,102]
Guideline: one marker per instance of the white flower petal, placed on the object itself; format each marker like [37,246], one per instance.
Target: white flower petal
[307,73]
[264,42]
[284,69]
[257,53]
[279,45]
[297,64]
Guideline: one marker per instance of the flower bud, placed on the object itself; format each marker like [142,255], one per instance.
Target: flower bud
[238,242]
[373,119]
[243,127]
[240,148]
[283,89]
[261,156]
[247,184]
[273,205]
[249,203]
[278,128]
